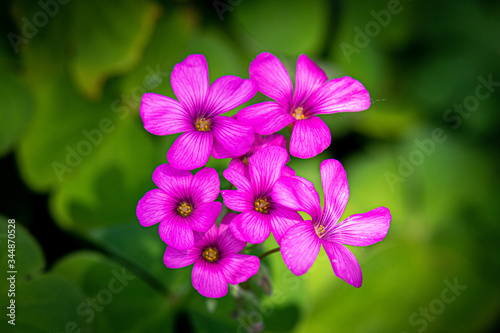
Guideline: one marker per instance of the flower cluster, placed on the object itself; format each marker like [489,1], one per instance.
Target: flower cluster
[268,194]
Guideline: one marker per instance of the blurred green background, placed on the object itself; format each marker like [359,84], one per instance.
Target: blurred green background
[75,160]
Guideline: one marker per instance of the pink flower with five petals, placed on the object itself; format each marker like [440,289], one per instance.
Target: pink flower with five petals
[300,245]
[313,95]
[198,114]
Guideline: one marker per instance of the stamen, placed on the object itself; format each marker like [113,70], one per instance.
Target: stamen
[245,159]
[203,124]
[210,254]
[262,205]
[320,230]
[298,113]
[185,209]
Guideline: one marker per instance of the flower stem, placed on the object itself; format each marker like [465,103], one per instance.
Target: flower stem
[265,254]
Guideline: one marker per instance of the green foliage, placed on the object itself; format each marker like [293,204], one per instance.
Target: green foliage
[70,117]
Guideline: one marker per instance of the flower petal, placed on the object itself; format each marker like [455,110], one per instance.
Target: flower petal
[236,137]
[190,83]
[344,263]
[163,115]
[191,150]
[174,258]
[204,215]
[300,247]
[287,172]
[205,185]
[273,140]
[308,79]
[266,167]
[151,209]
[209,238]
[281,219]
[220,152]
[174,182]
[252,226]
[238,180]
[228,92]
[271,78]
[339,95]
[227,242]
[266,117]
[238,165]
[309,137]
[241,199]
[176,231]
[208,279]
[238,268]
[362,229]
[298,194]
[336,190]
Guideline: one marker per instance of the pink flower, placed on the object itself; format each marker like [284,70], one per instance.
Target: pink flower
[313,95]
[198,114]
[260,214]
[240,163]
[216,260]
[301,243]
[182,203]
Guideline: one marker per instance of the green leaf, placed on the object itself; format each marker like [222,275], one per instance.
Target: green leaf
[16,110]
[28,255]
[297,26]
[143,247]
[108,39]
[119,300]
[110,183]
[47,160]
[43,303]
[48,304]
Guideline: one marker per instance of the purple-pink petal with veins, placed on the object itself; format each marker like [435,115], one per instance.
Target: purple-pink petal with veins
[336,190]
[281,219]
[227,242]
[204,215]
[174,182]
[218,151]
[300,247]
[298,194]
[163,115]
[227,93]
[344,263]
[152,207]
[309,137]
[174,258]
[251,226]
[266,167]
[362,229]
[266,117]
[339,95]
[308,79]
[176,231]
[205,185]
[272,78]
[238,268]
[234,136]
[191,150]
[208,278]
[190,83]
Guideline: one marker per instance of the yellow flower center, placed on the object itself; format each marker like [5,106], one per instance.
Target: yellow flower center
[210,254]
[203,124]
[320,230]
[298,113]
[262,205]
[185,209]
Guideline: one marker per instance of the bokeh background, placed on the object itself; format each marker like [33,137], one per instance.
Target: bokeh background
[75,160]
